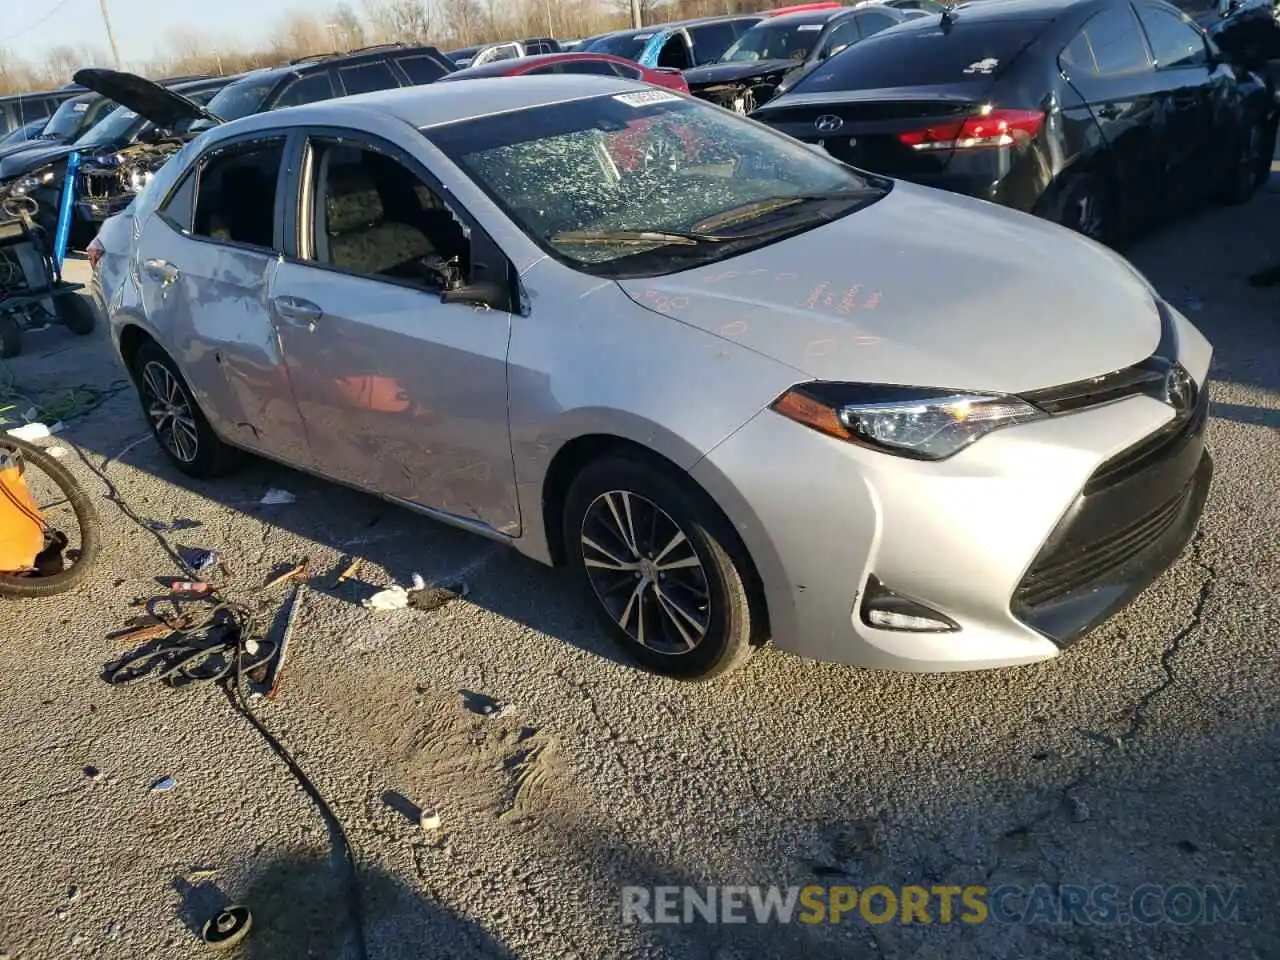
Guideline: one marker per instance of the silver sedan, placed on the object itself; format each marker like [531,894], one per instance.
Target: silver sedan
[742,390]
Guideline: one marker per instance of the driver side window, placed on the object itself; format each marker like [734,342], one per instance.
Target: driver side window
[374,217]
[675,53]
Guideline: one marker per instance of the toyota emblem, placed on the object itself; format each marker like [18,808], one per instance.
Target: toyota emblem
[828,123]
[1179,389]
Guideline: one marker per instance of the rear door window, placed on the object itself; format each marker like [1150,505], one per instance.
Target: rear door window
[925,56]
[317,86]
[367,77]
[421,69]
[1174,42]
[874,21]
[1110,45]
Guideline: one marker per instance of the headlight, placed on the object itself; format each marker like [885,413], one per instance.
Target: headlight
[910,422]
[33,181]
[139,180]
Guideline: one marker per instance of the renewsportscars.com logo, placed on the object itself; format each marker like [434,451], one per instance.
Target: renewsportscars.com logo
[815,904]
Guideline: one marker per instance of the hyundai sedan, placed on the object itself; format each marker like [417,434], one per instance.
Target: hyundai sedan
[628,332]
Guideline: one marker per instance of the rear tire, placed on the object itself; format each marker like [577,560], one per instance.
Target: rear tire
[10,336]
[1252,164]
[1084,205]
[175,418]
[75,311]
[663,568]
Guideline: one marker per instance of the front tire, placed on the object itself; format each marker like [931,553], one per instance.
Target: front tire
[1085,207]
[662,567]
[1252,164]
[175,418]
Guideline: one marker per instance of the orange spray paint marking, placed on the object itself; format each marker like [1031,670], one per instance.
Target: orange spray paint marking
[816,295]
[735,328]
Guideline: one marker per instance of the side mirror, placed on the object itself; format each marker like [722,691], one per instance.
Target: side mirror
[486,293]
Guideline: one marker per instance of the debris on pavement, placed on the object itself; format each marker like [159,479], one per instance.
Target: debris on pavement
[482,704]
[56,452]
[348,571]
[200,561]
[31,432]
[299,571]
[175,526]
[434,597]
[429,820]
[277,665]
[73,893]
[92,772]
[228,928]
[164,785]
[385,601]
[275,498]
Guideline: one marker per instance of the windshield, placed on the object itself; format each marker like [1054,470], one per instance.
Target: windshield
[776,41]
[119,126]
[627,45]
[70,118]
[241,99]
[593,181]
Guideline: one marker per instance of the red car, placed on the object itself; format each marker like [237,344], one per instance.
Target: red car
[598,63]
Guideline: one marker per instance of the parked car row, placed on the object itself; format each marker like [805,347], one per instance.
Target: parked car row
[689,357]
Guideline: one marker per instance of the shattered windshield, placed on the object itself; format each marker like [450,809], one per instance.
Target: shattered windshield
[72,117]
[117,127]
[775,41]
[626,45]
[647,183]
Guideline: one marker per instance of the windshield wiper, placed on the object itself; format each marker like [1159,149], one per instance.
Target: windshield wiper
[759,208]
[638,237]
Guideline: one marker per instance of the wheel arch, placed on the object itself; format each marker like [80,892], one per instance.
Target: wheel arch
[575,455]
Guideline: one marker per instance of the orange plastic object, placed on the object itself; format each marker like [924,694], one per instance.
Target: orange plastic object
[21,525]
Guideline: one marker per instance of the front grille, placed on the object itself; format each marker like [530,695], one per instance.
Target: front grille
[100,185]
[1162,446]
[1063,572]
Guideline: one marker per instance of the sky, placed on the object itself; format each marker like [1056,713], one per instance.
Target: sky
[139,25]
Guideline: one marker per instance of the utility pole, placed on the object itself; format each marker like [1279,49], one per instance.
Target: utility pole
[635,14]
[111,36]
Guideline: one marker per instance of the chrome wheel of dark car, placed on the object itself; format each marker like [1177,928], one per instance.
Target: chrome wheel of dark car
[169,408]
[646,572]
[1255,159]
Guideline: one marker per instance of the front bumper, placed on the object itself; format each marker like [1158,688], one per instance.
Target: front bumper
[1025,541]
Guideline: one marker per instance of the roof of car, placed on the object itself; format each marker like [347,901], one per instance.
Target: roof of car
[433,105]
[502,68]
[325,59]
[1015,9]
[805,16]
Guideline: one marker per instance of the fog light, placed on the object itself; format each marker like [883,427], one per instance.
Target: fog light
[885,610]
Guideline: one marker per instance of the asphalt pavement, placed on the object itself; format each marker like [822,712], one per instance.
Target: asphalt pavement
[1146,755]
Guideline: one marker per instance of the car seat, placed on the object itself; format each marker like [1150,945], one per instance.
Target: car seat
[360,237]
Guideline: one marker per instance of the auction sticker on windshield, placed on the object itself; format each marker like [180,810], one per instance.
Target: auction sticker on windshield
[645,98]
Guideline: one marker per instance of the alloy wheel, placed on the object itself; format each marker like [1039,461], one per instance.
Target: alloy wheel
[1252,159]
[1089,215]
[646,572]
[170,412]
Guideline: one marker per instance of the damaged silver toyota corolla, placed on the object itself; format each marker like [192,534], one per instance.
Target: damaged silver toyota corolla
[627,331]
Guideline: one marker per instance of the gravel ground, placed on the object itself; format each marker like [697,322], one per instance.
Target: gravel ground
[1144,755]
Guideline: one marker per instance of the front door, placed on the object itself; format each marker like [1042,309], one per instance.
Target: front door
[402,394]
[207,257]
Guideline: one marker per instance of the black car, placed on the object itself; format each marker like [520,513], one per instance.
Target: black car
[328,75]
[72,118]
[779,50]
[39,173]
[1098,114]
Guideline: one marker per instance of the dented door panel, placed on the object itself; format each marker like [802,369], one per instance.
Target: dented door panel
[212,317]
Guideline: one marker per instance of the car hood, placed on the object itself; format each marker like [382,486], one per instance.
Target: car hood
[735,70]
[924,288]
[17,164]
[149,100]
[24,146]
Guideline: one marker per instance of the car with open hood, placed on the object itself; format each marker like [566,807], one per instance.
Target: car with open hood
[781,48]
[155,113]
[691,359]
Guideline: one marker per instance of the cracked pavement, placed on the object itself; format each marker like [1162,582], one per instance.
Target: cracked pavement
[1144,755]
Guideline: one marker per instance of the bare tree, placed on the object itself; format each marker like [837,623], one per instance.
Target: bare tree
[464,20]
[346,28]
[405,20]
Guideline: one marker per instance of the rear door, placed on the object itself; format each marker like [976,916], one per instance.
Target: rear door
[1107,63]
[873,106]
[206,261]
[1188,84]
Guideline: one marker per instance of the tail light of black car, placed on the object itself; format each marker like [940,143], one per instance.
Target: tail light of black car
[990,127]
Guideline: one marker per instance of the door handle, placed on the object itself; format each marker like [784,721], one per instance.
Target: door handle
[295,310]
[161,270]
